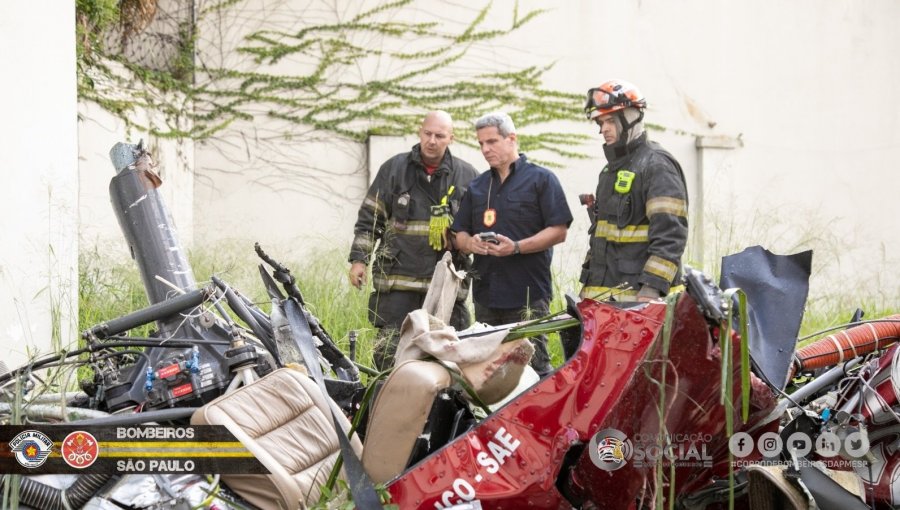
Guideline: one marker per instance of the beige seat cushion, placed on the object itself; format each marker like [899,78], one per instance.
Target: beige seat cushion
[285,421]
[770,490]
[399,416]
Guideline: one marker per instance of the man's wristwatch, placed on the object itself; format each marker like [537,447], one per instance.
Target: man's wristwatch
[516,248]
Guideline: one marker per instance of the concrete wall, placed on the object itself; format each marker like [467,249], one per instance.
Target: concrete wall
[156,47]
[39,172]
[806,87]
[269,180]
[98,228]
[794,104]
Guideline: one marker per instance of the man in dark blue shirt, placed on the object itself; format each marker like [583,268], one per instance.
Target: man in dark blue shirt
[524,205]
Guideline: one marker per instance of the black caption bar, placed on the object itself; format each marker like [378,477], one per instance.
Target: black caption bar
[67,449]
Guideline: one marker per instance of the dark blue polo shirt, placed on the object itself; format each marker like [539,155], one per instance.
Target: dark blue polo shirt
[530,200]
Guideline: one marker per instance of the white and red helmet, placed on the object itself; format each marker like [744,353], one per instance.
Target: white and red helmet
[613,96]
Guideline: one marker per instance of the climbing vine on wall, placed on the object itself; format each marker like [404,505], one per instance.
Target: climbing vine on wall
[343,69]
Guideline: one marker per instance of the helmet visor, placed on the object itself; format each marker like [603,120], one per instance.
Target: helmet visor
[600,101]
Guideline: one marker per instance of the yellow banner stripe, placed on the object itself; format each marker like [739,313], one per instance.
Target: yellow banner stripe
[151,449]
[231,449]
[148,452]
[667,205]
[170,453]
[170,444]
[661,267]
[629,234]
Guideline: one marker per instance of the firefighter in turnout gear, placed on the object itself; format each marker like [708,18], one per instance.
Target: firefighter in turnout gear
[639,212]
[406,213]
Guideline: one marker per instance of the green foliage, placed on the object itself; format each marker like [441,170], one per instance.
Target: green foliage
[822,316]
[107,290]
[112,288]
[183,62]
[339,498]
[334,82]
[93,18]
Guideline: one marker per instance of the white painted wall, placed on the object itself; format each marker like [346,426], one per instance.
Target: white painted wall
[807,87]
[98,228]
[39,173]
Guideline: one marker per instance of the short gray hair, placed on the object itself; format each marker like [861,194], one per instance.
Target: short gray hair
[499,120]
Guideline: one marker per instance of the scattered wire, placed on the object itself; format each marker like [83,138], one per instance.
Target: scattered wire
[47,362]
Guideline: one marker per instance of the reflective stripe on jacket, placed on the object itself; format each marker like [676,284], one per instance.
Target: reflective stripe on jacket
[640,234]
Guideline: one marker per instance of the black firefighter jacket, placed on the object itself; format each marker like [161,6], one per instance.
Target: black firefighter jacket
[397,211]
[639,234]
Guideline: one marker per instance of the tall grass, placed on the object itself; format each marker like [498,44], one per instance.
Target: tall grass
[107,288]
[111,288]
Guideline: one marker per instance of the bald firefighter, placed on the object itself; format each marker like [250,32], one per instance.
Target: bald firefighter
[403,226]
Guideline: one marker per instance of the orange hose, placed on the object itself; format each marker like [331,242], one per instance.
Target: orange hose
[848,344]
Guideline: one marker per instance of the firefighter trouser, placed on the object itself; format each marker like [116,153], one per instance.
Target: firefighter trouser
[540,362]
[387,310]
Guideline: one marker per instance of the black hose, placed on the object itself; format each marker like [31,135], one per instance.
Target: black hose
[39,495]
[161,310]
[160,342]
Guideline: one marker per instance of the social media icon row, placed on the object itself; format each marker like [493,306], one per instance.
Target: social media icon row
[826,444]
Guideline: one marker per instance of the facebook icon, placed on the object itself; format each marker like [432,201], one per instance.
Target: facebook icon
[740,444]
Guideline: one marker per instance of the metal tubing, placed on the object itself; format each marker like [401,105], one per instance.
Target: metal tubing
[244,313]
[830,377]
[176,413]
[51,412]
[55,398]
[147,315]
[36,494]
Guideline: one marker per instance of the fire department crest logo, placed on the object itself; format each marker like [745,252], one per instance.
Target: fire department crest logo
[31,448]
[610,449]
[80,449]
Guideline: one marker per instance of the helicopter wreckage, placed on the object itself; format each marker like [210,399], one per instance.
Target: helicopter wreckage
[682,402]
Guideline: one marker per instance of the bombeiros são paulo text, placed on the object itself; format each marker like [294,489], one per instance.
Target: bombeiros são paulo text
[154,433]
